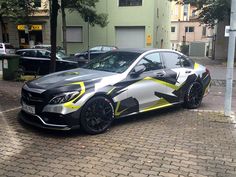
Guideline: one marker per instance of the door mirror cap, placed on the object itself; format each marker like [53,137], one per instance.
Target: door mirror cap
[139,69]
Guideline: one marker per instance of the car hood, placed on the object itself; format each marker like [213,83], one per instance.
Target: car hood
[63,78]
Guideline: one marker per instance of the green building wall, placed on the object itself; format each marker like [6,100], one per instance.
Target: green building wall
[154,15]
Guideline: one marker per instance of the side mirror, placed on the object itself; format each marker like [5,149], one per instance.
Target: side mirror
[139,69]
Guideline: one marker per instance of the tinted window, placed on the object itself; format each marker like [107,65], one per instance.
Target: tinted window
[9,46]
[43,54]
[185,62]
[172,60]
[1,46]
[116,62]
[152,62]
[30,53]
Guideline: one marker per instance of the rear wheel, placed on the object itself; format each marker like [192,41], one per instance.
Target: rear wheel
[194,95]
[97,115]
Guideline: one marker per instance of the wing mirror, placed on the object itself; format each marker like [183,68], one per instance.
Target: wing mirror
[139,69]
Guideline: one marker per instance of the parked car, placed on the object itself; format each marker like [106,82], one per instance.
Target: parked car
[38,61]
[6,48]
[95,52]
[47,46]
[117,84]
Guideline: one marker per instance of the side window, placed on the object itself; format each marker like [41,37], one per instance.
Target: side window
[151,62]
[172,60]
[43,54]
[185,62]
[30,53]
[1,46]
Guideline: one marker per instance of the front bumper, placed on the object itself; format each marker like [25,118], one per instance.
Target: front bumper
[52,121]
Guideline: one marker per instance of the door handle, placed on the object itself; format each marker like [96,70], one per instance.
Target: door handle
[160,74]
[188,71]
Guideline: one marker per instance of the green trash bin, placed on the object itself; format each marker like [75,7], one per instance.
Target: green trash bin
[10,65]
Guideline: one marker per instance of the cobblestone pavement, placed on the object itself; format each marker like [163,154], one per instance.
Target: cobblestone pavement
[170,143]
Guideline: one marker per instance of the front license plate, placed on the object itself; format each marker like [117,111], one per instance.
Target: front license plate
[28,108]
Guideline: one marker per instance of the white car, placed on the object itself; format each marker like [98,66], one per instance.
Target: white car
[6,48]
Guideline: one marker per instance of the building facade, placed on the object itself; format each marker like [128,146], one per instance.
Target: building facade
[132,24]
[26,35]
[186,29]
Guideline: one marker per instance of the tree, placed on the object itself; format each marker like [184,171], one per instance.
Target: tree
[86,9]
[17,10]
[210,11]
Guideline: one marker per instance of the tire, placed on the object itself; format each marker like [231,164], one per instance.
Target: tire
[97,115]
[194,95]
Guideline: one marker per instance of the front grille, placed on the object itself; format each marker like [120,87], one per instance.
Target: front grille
[32,98]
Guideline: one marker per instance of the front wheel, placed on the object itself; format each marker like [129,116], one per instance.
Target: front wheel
[97,115]
[194,95]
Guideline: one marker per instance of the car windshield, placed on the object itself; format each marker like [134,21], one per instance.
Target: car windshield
[116,62]
[61,55]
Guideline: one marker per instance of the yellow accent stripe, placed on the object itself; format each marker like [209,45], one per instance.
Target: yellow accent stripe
[70,104]
[111,91]
[196,65]
[159,104]
[162,83]
[117,112]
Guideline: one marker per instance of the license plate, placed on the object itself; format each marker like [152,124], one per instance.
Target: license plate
[28,108]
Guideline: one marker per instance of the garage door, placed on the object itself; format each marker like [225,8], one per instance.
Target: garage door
[130,37]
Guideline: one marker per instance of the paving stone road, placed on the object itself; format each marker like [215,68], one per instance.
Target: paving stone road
[172,142]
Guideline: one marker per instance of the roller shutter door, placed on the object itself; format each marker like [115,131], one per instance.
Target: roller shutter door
[130,37]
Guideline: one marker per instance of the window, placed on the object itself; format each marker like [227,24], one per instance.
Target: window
[151,62]
[186,10]
[189,29]
[74,34]
[37,3]
[130,2]
[172,60]
[30,53]
[173,29]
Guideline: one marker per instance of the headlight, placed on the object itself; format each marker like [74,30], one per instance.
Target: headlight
[64,97]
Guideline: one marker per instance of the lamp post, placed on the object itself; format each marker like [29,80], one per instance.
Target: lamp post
[230,61]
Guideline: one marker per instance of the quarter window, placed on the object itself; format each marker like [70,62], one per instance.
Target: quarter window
[151,62]
[173,60]
[130,3]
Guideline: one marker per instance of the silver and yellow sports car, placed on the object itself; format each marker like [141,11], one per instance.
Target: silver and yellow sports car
[117,84]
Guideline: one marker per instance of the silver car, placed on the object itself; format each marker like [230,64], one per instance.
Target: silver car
[118,84]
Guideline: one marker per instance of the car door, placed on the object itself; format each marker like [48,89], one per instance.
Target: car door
[147,88]
[177,70]
[29,61]
[43,57]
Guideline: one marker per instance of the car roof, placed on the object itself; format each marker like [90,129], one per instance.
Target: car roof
[143,50]
[21,50]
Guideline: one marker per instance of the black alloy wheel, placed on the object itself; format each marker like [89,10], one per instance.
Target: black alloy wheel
[97,115]
[194,95]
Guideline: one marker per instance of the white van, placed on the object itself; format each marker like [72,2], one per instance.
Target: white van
[6,48]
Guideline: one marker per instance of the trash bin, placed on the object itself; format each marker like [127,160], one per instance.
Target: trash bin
[10,65]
